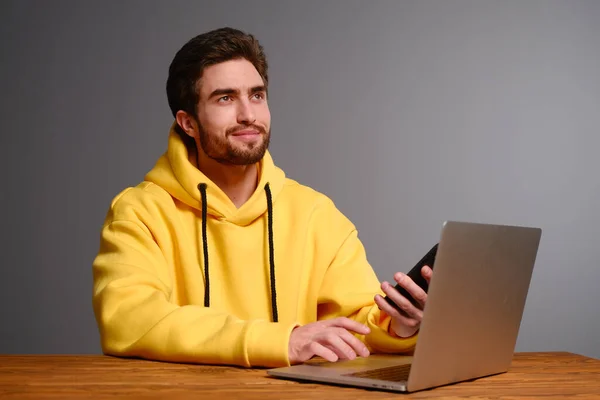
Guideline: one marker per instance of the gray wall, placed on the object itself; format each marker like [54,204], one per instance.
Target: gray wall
[406,113]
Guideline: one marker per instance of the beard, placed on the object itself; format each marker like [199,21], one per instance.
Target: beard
[222,150]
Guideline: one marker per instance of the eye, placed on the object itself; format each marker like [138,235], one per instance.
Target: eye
[224,99]
[259,96]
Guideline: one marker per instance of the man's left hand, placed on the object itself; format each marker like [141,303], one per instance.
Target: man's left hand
[407,322]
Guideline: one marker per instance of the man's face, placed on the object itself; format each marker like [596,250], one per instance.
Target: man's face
[233,114]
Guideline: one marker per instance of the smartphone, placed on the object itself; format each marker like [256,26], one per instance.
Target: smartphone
[415,274]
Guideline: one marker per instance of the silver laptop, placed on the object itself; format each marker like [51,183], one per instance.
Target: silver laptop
[475,303]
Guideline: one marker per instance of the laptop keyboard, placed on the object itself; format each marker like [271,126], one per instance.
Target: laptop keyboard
[395,373]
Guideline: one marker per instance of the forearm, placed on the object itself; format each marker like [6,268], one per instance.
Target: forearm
[139,321]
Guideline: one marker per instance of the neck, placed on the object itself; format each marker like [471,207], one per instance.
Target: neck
[238,182]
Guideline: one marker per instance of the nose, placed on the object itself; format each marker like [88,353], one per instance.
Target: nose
[245,113]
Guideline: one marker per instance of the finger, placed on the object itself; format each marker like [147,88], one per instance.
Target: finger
[348,324]
[317,349]
[332,340]
[357,346]
[402,302]
[401,325]
[426,272]
[394,313]
[403,305]
[412,288]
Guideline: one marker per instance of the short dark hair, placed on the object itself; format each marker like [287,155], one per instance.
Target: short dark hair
[204,50]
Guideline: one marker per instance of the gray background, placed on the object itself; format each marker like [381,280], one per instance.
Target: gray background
[406,113]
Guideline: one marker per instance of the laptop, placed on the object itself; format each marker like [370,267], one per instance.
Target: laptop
[471,321]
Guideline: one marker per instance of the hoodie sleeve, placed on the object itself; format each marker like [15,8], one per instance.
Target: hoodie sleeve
[131,292]
[350,284]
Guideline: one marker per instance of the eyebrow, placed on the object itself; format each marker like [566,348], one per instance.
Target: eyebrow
[230,91]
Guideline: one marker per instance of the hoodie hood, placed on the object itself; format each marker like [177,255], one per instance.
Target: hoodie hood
[176,173]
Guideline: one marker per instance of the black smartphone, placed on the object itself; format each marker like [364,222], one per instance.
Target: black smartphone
[415,274]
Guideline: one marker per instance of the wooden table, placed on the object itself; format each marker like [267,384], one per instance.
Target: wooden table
[532,375]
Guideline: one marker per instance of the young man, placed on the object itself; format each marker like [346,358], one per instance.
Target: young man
[217,257]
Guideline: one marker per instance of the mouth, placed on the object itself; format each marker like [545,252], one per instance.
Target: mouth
[246,132]
[247,135]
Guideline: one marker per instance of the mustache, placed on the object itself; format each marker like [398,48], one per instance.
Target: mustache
[238,128]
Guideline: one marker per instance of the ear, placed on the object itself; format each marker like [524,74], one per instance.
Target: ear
[187,123]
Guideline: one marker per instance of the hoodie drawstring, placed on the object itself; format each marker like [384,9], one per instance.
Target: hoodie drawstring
[202,188]
[271,252]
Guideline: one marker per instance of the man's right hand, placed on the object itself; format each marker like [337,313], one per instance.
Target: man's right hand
[330,339]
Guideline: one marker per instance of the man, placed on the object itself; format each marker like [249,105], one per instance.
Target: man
[217,257]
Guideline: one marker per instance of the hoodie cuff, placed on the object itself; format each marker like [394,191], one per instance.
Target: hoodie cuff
[268,344]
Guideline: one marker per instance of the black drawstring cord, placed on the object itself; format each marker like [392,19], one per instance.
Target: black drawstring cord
[271,253]
[202,188]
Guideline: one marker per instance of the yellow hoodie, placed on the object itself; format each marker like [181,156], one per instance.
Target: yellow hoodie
[164,291]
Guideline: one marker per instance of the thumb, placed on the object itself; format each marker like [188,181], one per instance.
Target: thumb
[426,272]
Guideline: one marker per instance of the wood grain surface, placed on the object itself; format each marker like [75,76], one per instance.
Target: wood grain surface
[532,375]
